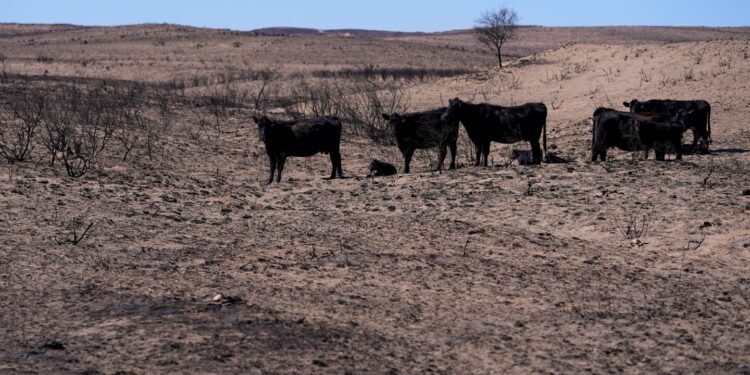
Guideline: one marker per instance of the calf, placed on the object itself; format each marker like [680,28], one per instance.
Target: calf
[699,118]
[381,168]
[657,134]
[421,130]
[486,123]
[300,138]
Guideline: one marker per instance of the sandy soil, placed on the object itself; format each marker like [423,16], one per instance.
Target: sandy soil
[192,265]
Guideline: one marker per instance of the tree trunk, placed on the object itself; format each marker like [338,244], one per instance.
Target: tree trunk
[499,56]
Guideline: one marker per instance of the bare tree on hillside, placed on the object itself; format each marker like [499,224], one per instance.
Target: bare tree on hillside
[494,28]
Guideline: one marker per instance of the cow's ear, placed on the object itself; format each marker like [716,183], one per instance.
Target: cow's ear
[386,117]
[257,120]
[626,104]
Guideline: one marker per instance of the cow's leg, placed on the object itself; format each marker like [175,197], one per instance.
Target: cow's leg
[454,148]
[486,152]
[645,152]
[659,154]
[442,151]
[478,150]
[695,141]
[281,160]
[272,160]
[407,159]
[536,151]
[335,165]
[678,147]
[338,162]
[603,154]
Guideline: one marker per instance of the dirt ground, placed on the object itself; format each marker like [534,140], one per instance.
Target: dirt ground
[192,265]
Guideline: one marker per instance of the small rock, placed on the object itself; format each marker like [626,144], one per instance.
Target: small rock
[746,192]
[52,345]
[168,198]
[221,299]
[637,242]
[319,363]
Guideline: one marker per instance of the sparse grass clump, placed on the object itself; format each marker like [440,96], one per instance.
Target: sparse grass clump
[395,74]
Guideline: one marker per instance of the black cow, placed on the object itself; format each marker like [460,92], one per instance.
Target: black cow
[381,168]
[300,138]
[421,130]
[633,132]
[485,123]
[698,119]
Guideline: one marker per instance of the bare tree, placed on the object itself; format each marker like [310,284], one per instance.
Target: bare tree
[17,129]
[267,76]
[494,28]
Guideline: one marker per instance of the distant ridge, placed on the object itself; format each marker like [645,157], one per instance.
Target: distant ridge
[350,32]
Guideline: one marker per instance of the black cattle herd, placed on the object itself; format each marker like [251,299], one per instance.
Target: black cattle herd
[652,124]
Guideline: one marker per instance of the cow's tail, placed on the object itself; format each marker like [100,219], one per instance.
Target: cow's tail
[708,119]
[544,137]
[544,131]
[593,134]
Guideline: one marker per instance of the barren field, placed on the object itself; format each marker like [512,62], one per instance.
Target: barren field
[193,265]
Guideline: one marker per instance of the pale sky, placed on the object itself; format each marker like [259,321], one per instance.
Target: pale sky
[396,15]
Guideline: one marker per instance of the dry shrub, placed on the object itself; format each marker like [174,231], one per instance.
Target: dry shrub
[372,72]
[360,104]
[18,126]
[634,224]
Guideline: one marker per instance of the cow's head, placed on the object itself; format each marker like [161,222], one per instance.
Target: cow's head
[634,105]
[455,106]
[681,117]
[263,124]
[394,120]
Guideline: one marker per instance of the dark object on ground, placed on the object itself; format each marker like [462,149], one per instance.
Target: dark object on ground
[552,158]
[381,168]
[52,345]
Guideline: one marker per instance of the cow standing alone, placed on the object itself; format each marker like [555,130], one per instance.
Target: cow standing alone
[421,130]
[486,123]
[300,138]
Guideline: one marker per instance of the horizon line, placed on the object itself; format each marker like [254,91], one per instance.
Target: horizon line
[353,28]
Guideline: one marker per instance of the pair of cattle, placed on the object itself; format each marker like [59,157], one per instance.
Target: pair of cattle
[653,124]
[648,125]
[484,124]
